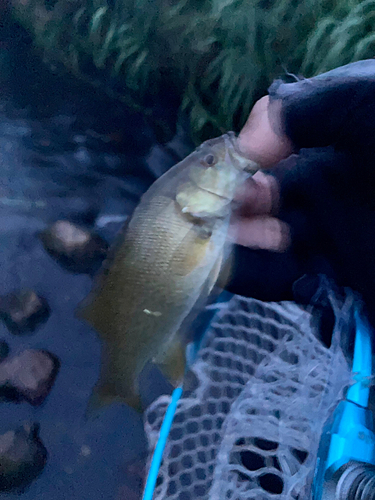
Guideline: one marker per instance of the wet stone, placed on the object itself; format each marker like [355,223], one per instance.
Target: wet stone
[135,474]
[137,469]
[28,376]
[128,493]
[22,458]
[75,248]
[23,311]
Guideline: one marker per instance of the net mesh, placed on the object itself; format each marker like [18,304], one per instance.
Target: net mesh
[250,423]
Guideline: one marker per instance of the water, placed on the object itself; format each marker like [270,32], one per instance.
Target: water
[67,152]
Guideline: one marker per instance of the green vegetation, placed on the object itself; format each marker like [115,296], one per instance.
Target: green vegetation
[219,55]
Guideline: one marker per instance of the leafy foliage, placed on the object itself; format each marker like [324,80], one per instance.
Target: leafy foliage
[220,55]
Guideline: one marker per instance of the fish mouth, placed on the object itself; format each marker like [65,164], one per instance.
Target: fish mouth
[227,137]
[237,158]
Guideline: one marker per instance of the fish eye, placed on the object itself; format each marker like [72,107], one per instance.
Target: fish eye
[210,159]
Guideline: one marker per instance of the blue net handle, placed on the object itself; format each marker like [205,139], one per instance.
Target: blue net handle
[160,445]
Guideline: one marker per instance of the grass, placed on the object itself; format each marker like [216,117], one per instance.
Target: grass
[218,55]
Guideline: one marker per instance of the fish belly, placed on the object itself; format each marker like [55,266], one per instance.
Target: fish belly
[152,285]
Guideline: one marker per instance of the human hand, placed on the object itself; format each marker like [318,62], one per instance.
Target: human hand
[254,225]
[322,195]
[261,138]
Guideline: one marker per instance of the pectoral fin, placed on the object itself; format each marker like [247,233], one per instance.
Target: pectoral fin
[191,253]
[172,362]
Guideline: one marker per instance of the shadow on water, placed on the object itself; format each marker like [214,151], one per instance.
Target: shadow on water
[69,152]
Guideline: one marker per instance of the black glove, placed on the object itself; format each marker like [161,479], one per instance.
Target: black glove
[327,189]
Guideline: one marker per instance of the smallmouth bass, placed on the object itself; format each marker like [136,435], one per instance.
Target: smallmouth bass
[167,262]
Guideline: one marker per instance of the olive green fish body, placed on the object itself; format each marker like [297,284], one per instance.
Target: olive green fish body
[170,255]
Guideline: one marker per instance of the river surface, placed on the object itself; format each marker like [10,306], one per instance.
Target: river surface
[68,152]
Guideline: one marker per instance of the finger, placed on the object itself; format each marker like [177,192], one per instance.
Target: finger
[261,139]
[261,232]
[258,195]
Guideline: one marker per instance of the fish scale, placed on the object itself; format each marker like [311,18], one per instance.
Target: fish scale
[166,263]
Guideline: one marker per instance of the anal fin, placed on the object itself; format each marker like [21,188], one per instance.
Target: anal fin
[172,362]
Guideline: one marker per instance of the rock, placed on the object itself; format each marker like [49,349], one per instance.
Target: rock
[137,469]
[85,451]
[135,473]
[76,249]
[28,376]
[22,458]
[23,311]
[126,492]
[4,350]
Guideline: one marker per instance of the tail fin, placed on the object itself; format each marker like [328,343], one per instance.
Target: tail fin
[106,394]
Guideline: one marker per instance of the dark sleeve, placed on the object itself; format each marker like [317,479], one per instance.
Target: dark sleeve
[263,275]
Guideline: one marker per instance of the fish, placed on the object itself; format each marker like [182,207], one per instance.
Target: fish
[164,268]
